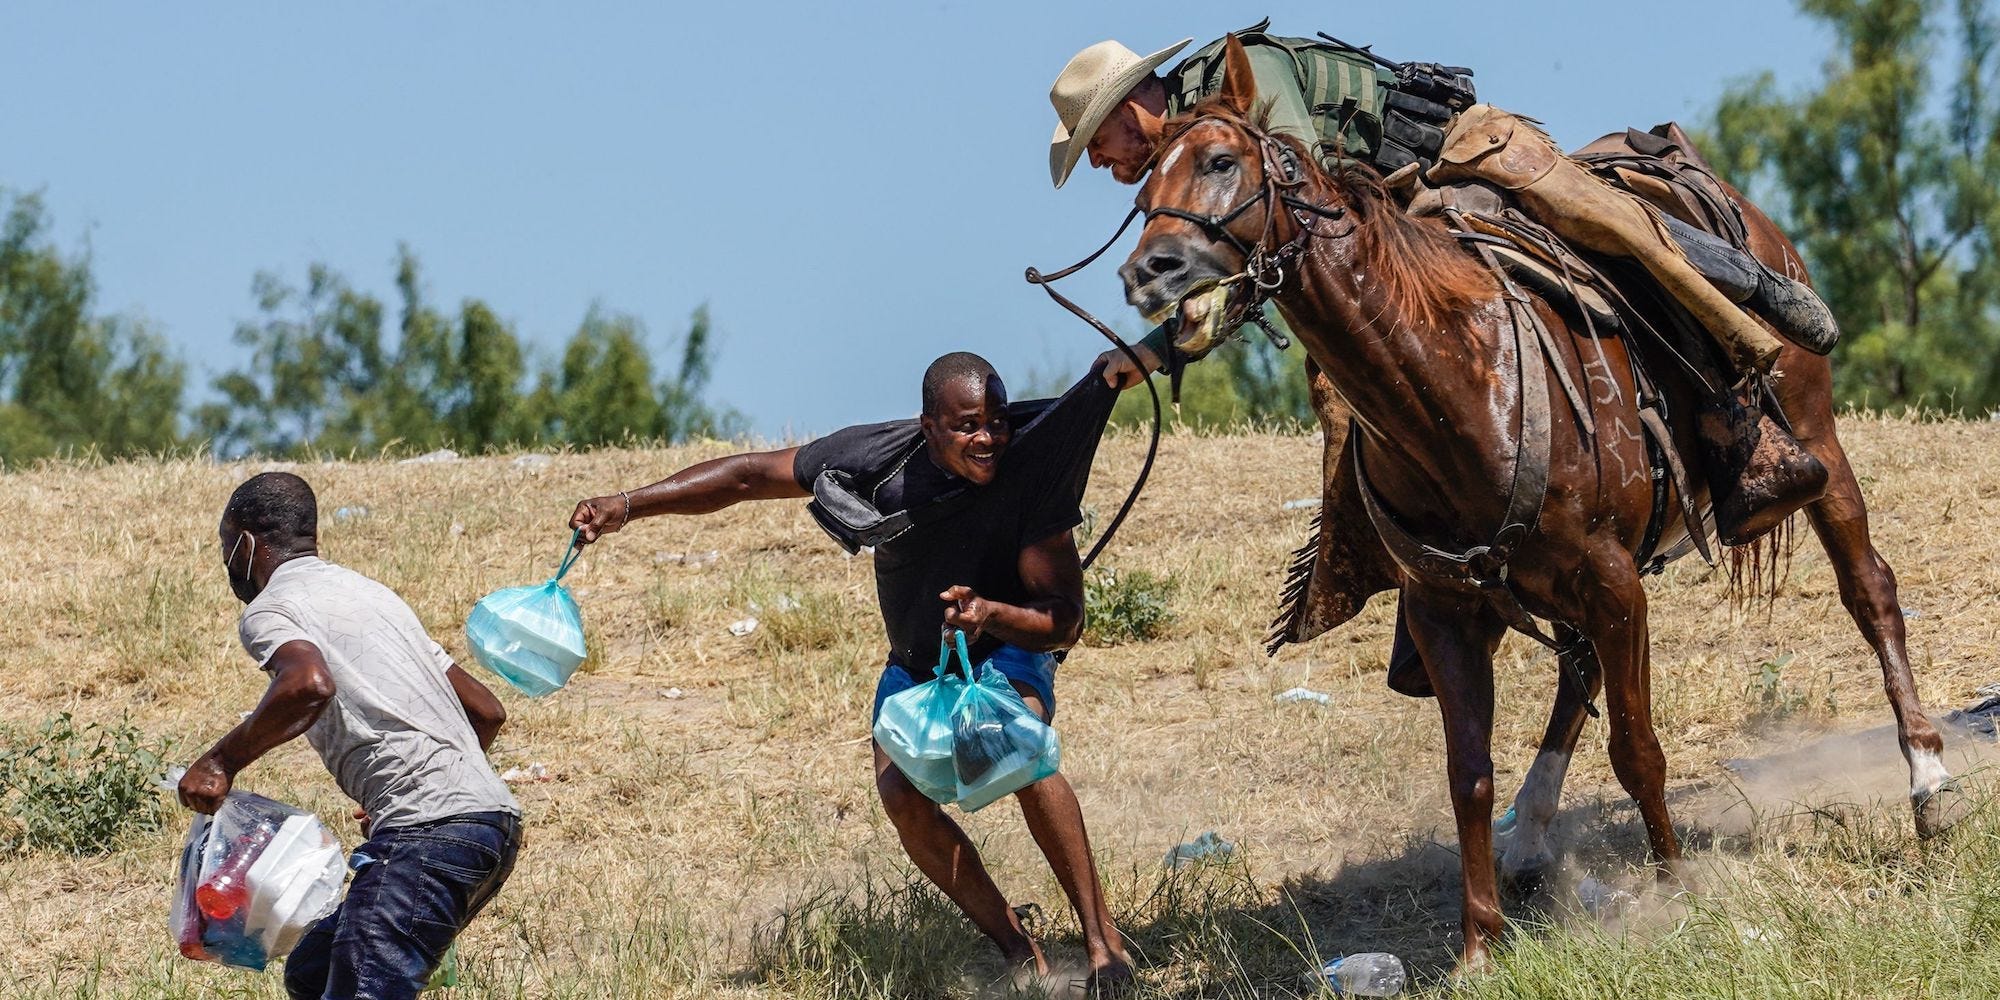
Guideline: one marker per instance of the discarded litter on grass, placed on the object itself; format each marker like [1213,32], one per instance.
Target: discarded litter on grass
[1303,694]
[1208,847]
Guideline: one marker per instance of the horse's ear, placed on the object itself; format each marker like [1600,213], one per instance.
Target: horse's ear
[1239,86]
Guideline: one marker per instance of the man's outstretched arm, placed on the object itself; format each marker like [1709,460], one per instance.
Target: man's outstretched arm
[301,687]
[1051,618]
[697,489]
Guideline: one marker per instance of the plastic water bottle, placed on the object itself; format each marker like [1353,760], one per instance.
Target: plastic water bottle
[227,889]
[1371,974]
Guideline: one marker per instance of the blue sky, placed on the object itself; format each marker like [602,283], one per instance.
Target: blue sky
[852,188]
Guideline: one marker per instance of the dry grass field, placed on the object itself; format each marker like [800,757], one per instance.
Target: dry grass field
[711,829]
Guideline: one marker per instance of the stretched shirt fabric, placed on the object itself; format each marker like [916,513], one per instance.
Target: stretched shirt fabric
[1037,493]
[394,736]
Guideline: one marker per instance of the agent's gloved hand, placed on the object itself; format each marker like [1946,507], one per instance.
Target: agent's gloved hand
[1118,370]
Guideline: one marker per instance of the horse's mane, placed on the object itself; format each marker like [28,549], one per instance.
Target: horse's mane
[1427,277]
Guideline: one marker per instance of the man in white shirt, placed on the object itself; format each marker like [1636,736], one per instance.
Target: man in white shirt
[403,730]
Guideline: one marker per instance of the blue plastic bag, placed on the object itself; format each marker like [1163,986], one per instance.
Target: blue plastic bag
[998,746]
[914,728]
[968,743]
[531,636]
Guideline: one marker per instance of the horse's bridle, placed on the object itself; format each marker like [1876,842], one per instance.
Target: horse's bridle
[1263,265]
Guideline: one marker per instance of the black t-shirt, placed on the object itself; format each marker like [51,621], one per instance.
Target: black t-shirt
[1037,493]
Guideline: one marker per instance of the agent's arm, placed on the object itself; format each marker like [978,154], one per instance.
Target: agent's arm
[301,687]
[697,489]
[1051,618]
[1118,371]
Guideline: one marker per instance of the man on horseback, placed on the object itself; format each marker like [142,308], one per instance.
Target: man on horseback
[1417,124]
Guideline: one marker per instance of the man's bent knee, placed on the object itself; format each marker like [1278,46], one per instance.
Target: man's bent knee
[900,799]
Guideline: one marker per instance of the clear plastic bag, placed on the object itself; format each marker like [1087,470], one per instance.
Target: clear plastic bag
[531,636]
[914,729]
[253,878]
[998,745]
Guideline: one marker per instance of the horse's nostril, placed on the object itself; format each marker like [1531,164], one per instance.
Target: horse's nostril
[1164,263]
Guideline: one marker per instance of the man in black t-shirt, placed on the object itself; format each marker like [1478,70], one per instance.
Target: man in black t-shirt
[1002,566]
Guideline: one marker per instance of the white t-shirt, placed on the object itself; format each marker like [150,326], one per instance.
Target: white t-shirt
[395,736]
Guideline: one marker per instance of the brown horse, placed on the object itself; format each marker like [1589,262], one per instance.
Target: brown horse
[1435,363]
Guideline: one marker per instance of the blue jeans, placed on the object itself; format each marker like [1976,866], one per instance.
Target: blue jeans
[415,888]
[1035,671]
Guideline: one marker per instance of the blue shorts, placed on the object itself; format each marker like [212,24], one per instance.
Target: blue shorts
[1035,671]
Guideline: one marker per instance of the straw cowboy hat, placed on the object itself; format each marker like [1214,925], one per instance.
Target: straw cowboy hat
[1089,87]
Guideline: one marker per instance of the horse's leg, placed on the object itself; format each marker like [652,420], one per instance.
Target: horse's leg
[1615,624]
[1868,590]
[1525,858]
[1840,519]
[1457,637]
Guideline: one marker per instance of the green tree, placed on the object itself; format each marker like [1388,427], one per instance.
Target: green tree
[415,397]
[684,409]
[70,379]
[488,411]
[605,392]
[321,377]
[316,356]
[1887,173]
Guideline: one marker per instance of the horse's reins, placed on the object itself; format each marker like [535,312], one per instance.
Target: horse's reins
[1036,277]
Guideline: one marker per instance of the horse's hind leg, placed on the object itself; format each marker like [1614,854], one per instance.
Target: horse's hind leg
[1526,857]
[1457,637]
[1615,624]
[1868,590]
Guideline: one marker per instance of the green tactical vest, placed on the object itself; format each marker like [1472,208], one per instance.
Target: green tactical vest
[1342,93]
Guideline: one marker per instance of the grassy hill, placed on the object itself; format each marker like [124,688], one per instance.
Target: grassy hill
[711,827]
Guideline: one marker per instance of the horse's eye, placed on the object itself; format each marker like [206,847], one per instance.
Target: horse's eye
[1222,162]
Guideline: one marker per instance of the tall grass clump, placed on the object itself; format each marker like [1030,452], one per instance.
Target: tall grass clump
[76,789]
[896,940]
[807,621]
[1128,606]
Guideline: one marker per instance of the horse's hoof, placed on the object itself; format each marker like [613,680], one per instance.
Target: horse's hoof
[1526,881]
[1940,809]
[1471,965]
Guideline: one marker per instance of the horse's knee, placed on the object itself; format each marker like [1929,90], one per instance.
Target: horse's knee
[1472,783]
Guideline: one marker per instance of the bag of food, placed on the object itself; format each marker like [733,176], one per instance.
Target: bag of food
[914,728]
[998,745]
[253,878]
[531,636]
